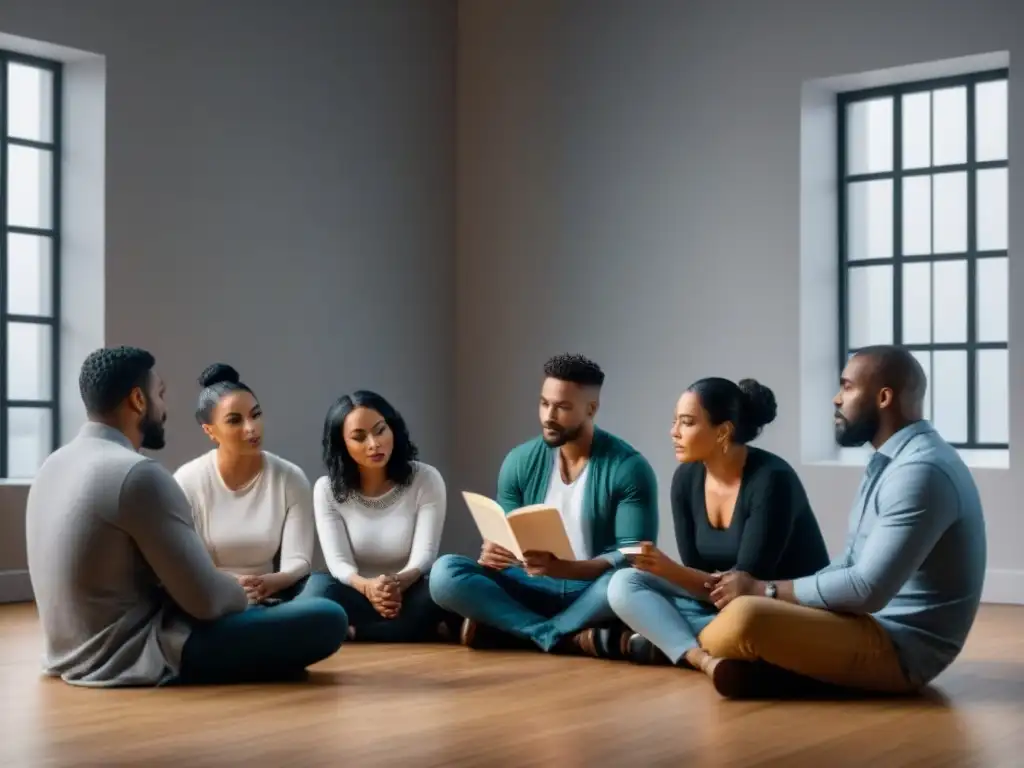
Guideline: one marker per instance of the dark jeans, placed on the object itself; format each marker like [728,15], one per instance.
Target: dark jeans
[537,608]
[417,620]
[266,642]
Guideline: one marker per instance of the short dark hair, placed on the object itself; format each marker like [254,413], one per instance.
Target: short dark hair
[748,404]
[896,367]
[342,470]
[216,381]
[110,374]
[576,369]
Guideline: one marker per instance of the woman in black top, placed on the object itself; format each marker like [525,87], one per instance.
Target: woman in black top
[735,507]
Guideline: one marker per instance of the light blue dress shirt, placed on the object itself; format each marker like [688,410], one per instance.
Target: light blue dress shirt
[915,554]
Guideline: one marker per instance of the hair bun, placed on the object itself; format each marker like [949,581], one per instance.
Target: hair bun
[218,373]
[760,402]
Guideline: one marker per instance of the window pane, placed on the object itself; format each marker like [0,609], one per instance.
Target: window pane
[869,220]
[29,187]
[949,120]
[917,303]
[869,306]
[917,215]
[993,396]
[29,440]
[949,285]
[949,394]
[917,130]
[29,374]
[925,359]
[949,214]
[29,102]
[993,207]
[992,299]
[869,136]
[29,276]
[991,123]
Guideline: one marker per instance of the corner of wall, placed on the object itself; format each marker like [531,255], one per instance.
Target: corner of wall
[819,270]
[83,275]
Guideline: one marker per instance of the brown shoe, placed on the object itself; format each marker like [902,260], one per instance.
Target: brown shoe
[733,678]
[482,637]
[467,634]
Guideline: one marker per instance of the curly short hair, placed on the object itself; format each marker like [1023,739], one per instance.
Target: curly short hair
[342,470]
[109,375]
[576,369]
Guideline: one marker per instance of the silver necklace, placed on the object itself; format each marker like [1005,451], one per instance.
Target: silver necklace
[383,501]
[387,498]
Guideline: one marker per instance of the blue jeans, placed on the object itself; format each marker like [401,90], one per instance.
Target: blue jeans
[417,621]
[667,615]
[266,642]
[537,608]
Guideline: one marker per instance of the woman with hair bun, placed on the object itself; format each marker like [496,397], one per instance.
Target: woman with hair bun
[735,508]
[250,506]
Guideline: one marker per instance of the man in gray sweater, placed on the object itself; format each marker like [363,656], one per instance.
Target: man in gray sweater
[126,591]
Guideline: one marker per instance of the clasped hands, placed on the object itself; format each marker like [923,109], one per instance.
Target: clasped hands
[535,563]
[384,594]
[723,587]
[260,588]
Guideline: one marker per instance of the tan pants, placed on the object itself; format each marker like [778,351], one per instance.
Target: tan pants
[835,648]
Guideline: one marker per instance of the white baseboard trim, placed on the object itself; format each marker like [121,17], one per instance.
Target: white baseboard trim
[15,587]
[1003,586]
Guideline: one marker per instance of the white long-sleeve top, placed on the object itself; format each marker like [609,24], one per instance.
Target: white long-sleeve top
[393,533]
[244,529]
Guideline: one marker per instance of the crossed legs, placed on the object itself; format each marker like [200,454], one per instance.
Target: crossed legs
[264,642]
[756,645]
[537,609]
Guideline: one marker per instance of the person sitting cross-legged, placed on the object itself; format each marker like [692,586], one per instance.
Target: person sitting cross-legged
[253,508]
[735,507]
[895,608]
[379,515]
[607,496]
[126,591]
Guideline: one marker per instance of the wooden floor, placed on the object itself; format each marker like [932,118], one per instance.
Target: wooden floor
[448,706]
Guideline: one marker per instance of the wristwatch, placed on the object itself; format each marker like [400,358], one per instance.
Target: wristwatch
[770,590]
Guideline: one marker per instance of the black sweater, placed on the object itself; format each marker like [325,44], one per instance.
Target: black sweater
[773,534]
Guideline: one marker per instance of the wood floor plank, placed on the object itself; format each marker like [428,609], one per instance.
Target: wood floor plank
[447,706]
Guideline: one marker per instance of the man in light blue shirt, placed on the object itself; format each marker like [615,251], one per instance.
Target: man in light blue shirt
[894,609]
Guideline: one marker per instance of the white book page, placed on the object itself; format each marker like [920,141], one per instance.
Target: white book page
[491,523]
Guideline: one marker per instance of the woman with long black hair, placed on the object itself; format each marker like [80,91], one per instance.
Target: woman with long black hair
[379,516]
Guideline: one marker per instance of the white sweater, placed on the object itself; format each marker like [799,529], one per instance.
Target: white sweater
[244,529]
[358,538]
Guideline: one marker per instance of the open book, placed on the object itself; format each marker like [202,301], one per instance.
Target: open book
[536,528]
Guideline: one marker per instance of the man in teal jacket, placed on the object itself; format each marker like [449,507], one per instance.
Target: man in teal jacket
[607,494]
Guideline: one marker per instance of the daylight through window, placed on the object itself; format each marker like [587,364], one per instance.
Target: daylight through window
[923,229]
[30,98]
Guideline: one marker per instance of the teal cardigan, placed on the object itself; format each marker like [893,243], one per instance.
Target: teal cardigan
[621,502]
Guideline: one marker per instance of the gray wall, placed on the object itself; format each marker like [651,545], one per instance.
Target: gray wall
[297,186]
[629,187]
[280,196]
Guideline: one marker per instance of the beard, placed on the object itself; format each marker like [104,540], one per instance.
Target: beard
[152,429]
[563,435]
[853,433]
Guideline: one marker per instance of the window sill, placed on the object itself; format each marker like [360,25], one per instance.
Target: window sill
[19,482]
[975,459]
